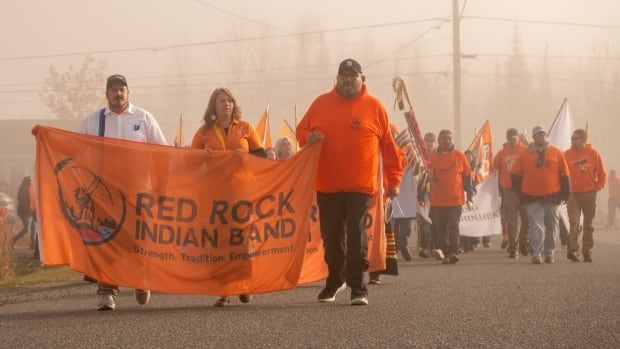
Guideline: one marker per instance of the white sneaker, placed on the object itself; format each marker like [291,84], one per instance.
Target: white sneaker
[106,302]
[359,301]
[142,296]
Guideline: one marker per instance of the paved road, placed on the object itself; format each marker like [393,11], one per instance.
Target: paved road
[485,301]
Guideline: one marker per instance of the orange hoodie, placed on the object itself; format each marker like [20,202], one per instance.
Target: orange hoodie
[504,162]
[543,180]
[355,130]
[587,171]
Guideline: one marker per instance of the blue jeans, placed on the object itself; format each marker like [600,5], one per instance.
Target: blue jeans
[543,221]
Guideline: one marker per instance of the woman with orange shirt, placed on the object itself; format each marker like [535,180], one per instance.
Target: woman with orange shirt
[223,130]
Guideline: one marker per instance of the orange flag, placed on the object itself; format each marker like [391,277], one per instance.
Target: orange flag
[483,153]
[287,131]
[123,213]
[263,128]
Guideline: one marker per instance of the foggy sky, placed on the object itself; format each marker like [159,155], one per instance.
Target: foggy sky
[39,28]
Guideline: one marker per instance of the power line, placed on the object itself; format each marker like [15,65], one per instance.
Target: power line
[241,17]
[490,75]
[262,70]
[533,21]
[210,83]
[220,42]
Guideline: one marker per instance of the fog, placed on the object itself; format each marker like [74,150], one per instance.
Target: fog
[520,59]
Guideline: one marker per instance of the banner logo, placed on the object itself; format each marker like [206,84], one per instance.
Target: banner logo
[97,212]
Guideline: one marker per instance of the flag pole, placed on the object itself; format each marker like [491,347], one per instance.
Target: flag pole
[181,131]
[558,113]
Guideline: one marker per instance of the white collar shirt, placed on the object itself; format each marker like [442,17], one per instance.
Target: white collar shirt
[134,124]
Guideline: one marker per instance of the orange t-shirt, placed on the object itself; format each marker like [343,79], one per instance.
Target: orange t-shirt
[504,162]
[544,180]
[241,135]
[356,131]
[447,182]
[587,171]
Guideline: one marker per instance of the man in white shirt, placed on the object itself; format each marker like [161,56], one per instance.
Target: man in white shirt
[122,120]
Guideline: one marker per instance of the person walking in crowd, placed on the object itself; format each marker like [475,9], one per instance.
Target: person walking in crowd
[451,179]
[284,148]
[429,239]
[223,129]
[504,163]
[402,227]
[588,177]
[121,119]
[613,202]
[26,210]
[541,179]
[353,126]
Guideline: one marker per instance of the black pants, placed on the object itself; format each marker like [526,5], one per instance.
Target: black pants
[339,213]
[446,223]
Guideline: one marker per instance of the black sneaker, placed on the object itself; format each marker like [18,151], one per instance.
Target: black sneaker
[328,295]
[523,249]
[454,259]
[406,254]
[245,298]
[573,256]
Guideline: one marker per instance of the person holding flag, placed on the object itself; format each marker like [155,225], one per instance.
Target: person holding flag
[541,180]
[122,120]
[588,176]
[223,130]
[353,127]
[504,163]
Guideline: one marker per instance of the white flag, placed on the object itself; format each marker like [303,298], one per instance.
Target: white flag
[559,135]
[562,128]
[484,218]
[405,204]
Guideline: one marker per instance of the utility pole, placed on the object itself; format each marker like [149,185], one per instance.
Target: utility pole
[456,68]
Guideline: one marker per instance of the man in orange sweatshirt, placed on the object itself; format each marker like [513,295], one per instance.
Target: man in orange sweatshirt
[450,180]
[588,176]
[511,209]
[541,179]
[354,128]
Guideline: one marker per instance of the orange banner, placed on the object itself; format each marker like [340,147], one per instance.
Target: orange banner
[173,219]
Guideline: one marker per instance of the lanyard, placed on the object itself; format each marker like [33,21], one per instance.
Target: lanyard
[102,122]
[220,136]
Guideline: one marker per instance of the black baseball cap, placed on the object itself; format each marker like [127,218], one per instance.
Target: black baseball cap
[116,78]
[350,64]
